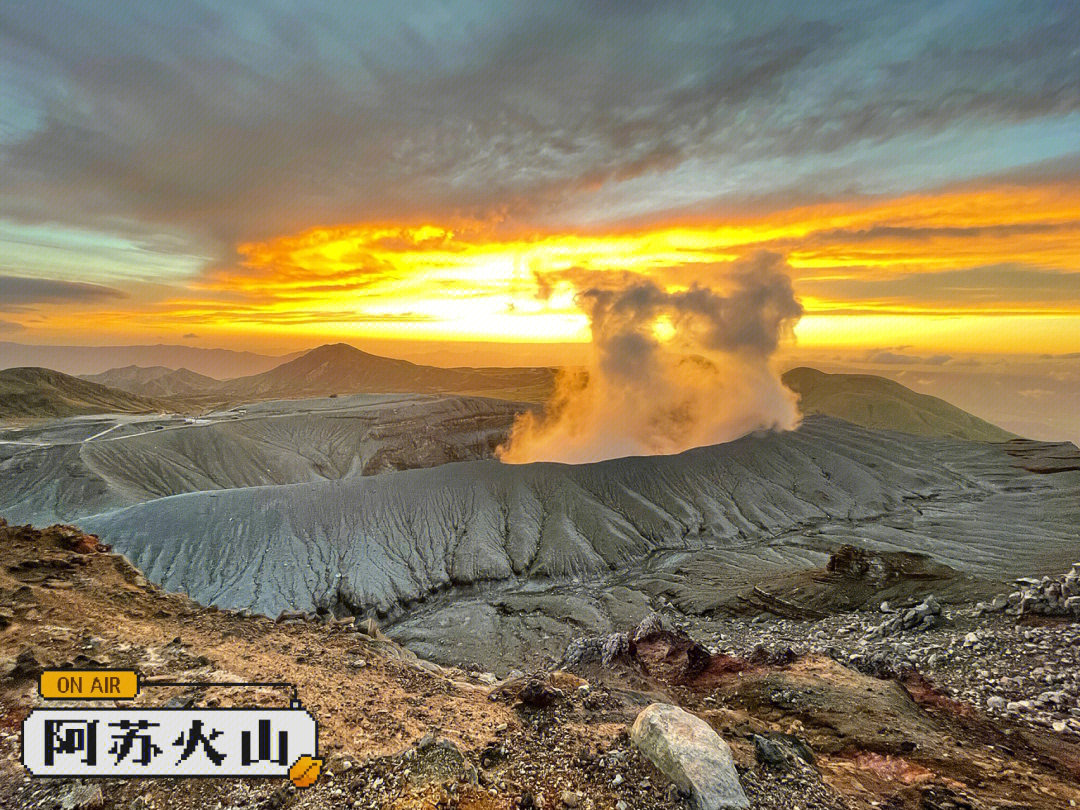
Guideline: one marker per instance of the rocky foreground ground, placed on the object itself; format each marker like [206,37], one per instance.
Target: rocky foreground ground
[972,709]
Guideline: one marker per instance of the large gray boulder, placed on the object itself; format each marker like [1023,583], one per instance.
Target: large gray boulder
[686,750]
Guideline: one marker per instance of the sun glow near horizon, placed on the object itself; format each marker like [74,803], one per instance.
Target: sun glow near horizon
[946,270]
[979,269]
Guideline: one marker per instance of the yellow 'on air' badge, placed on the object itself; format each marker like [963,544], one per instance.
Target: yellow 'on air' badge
[89,684]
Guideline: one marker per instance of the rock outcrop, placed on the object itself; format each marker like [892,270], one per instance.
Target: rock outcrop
[1049,596]
[922,616]
[686,750]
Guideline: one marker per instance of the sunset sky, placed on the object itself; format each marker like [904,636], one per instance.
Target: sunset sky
[270,176]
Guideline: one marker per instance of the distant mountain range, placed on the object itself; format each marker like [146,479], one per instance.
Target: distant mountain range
[156,381]
[219,363]
[336,369]
[42,392]
[340,369]
[882,404]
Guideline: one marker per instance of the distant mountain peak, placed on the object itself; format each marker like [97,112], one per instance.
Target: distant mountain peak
[342,349]
[43,392]
[339,353]
[340,368]
[880,403]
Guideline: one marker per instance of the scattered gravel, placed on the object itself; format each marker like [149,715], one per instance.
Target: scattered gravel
[1026,669]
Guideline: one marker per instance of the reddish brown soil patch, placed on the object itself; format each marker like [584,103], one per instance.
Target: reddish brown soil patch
[926,695]
[892,768]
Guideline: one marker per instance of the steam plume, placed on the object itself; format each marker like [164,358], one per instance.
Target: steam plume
[671,370]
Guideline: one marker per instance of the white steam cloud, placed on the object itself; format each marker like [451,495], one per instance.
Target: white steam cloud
[671,370]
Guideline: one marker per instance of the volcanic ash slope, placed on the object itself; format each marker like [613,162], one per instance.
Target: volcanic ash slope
[382,543]
[71,468]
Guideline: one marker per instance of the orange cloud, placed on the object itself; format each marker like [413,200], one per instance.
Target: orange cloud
[998,262]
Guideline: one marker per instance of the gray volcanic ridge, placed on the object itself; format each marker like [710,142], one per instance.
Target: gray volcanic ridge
[393,506]
[65,469]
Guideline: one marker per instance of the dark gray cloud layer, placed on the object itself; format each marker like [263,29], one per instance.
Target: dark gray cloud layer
[226,123]
[18,293]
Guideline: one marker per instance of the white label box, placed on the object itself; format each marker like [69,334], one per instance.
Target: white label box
[90,741]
